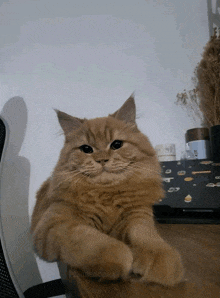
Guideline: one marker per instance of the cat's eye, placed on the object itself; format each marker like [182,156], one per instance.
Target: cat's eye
[86,149]
[116,144]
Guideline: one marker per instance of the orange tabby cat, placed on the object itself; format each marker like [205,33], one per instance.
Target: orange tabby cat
[95,212]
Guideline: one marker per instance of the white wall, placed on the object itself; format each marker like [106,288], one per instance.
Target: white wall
[86,57]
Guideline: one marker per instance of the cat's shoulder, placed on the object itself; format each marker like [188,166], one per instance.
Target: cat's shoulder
[44,189]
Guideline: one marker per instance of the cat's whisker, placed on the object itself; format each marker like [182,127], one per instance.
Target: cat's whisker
[69,176]
[141,167]
[137,170]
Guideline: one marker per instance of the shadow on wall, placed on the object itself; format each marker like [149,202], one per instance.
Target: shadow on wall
[14,193]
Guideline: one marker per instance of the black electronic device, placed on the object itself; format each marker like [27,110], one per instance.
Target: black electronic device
[192,192]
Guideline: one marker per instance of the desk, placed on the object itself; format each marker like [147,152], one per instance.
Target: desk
[199,246]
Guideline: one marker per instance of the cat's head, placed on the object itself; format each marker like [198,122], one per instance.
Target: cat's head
[105,151]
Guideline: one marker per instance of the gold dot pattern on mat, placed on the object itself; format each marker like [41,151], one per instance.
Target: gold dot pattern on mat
[210,185]
[173,189]
[188,199]
[167,179]
[201,172]
[188,179]
[205,162]
[181,173]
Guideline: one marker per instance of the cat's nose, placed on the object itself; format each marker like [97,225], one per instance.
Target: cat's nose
[102,161]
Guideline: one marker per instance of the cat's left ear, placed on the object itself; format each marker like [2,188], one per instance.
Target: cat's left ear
[127,112]
[67,122]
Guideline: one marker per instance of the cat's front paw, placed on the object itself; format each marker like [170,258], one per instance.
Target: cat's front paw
[112,262]
[161,266]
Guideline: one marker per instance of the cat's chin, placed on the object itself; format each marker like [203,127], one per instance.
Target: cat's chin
[107,178]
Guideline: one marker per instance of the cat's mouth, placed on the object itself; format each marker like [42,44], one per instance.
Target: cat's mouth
[117,171]
[106,176]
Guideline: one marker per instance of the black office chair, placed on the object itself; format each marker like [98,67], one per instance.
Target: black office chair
[9,287]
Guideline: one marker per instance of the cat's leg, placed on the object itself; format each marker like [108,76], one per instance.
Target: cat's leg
[59,235]
[154,259]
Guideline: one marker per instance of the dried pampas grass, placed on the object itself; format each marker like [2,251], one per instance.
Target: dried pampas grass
[208,88]
[190,103]
[203,102]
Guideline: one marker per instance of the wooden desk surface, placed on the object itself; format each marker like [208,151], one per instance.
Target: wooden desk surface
[199,246]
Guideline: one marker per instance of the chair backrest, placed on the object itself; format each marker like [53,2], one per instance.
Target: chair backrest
[10,286]
[7,288]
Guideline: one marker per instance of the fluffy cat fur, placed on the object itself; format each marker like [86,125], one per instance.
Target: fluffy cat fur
[95,211]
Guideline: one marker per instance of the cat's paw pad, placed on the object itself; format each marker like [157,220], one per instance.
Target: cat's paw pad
[162,266]
[111,263]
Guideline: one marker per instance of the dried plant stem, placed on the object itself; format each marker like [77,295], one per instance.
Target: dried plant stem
[204,99]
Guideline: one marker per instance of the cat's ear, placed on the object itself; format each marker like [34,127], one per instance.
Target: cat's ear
[67,122]
[127,112]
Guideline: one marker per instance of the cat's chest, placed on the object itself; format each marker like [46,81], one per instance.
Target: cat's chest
[103,209]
